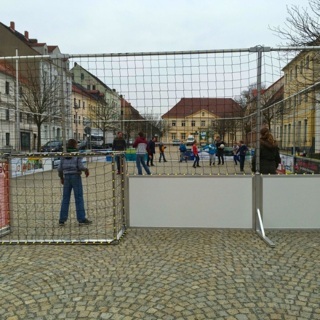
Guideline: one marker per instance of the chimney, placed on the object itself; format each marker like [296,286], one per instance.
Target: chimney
[12,26]
[26,35]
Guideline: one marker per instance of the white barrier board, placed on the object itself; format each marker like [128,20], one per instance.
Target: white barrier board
[291,202]
[199,202]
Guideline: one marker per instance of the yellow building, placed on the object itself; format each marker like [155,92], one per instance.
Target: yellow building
[301,127]
[204,118]
[83,101]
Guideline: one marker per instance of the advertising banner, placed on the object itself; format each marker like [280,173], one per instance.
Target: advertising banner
[31,165]
[4,195]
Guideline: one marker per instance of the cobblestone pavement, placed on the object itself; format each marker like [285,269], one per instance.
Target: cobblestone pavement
[165,274]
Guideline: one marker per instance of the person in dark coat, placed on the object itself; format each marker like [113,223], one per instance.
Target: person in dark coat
[151,149]
[220,149]
[119,144]
[242,151]
[269,153]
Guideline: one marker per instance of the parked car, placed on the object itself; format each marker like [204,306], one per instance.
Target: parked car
[176,142]
[52,146]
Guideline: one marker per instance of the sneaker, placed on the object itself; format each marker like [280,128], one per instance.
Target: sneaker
[85,222]
[61,223]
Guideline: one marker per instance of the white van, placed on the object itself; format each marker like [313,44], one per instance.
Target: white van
[190,141]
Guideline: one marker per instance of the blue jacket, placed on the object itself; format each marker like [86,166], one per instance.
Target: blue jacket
[182,147]
[212,149]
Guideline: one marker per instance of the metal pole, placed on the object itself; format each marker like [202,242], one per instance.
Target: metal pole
[258,124]
[62,105]
[258,178]
[18,143]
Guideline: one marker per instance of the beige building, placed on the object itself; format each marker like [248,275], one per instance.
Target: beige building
[204,118]
[301,126]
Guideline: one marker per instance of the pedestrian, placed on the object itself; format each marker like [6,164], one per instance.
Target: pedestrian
[69,170]
[162,147]
[220,149]
[212,154]
[119,144]
[269,153]
[183,150]
[242,151]
[141,148]
[195,154]
[235,149]
[151,149]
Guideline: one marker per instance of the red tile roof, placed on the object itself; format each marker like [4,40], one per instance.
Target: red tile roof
[9,70]
[221,107]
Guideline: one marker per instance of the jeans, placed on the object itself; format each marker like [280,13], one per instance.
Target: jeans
[196,161]
[150,159]
[162,157]
[119,160]
[140,161]
[72,181]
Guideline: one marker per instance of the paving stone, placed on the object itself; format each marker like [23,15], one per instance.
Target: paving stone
[168,274]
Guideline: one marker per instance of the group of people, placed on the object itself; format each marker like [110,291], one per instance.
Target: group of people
[71,167]
[214,149]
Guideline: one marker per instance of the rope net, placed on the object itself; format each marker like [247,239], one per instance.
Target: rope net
[175,97]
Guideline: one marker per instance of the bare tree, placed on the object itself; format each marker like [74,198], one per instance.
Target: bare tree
[40,96]
[302,26]
[153,125]
[104,117]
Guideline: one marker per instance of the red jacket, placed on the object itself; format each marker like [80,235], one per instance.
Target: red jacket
[195,150]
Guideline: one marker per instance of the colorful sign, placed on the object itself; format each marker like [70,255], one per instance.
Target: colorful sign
[4,195]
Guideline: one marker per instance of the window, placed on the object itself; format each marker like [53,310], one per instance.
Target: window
[173,136]
[83,104]
[29,118]
[301,66]
[74,118]
[183,136]
[193,123]
[203,123]
[93,87]
[183,123]
[289,133]
[307,62]
[82,76]
[305,131]
[285,134]
[202,114]
[7,114]
[7,87]
[290,74]
[296,71]
[173,123]
[7,138]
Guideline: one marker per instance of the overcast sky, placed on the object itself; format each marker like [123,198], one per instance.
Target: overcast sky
[112,26]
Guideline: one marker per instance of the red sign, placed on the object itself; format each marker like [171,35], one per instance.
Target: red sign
[4,195]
